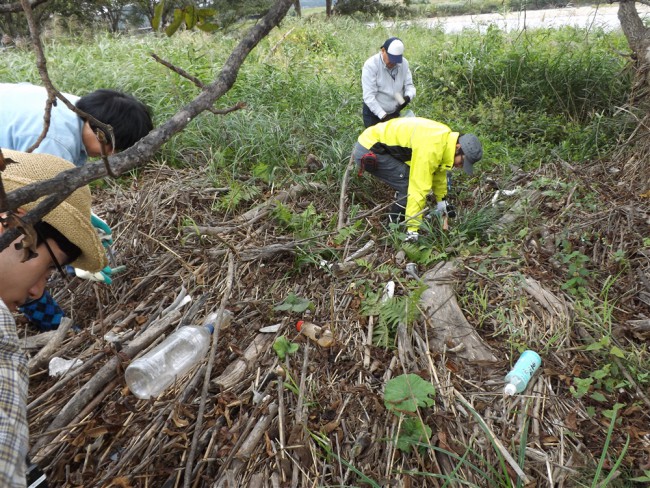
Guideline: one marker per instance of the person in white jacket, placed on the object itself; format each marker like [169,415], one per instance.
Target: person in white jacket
[387,83]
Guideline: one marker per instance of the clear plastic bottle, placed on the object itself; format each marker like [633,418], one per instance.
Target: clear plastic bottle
[323,337]
[517,379]
[151,374]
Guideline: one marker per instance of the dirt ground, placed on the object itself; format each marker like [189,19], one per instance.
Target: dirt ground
[318,417]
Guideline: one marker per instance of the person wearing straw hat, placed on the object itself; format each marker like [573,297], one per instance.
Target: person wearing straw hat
[387,83]
[63,236]
[73,138]
[413,155]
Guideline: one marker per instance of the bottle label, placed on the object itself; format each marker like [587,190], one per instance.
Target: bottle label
[525,366]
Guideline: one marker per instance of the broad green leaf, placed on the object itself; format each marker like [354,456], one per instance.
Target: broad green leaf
[407,392]
[610,414]
[645,477]
[190,16]
[157,15]
[206,12]
[176,23]
[283,347]
[582,386]
[294,303]
[615,351]
[601,373]
[598,396]
[594,346]
[207,27]
[413,434]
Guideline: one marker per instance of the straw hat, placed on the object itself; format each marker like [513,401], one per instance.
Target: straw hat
[72,217]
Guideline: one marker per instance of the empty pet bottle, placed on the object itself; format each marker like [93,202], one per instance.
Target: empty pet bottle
[517,379]
[151,374]
[323,337]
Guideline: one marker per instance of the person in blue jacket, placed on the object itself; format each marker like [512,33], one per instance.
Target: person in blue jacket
[22,106]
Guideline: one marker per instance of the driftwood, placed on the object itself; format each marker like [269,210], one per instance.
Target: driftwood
[104,376]
[551,303]
[37,341]
[44,355]
[255,214]
[236,370]
[451,331]
[231,478]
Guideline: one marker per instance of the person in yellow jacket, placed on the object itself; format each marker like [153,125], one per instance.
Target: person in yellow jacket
[412,155]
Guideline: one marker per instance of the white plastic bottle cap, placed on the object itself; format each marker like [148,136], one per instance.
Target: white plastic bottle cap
[509,389]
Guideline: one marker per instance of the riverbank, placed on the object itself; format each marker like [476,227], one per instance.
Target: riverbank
[603,17]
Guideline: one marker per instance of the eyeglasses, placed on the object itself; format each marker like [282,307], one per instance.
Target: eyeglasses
[59,268]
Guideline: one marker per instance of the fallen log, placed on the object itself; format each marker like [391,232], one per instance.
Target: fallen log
[451,330]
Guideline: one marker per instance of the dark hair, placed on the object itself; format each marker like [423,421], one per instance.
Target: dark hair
[47,231]
[128,116]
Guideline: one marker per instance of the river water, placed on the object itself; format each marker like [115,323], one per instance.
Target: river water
[603,16]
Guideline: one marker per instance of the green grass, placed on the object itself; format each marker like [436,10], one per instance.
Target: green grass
[527,95]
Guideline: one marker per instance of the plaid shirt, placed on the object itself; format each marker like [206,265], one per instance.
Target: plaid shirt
[14,433]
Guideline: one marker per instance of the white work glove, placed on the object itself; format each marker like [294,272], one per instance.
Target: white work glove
[105,235]
[441,208]
[103,276]
[411,236]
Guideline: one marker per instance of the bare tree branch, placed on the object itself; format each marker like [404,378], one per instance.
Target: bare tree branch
[145,149]
[180,71]
[53,93]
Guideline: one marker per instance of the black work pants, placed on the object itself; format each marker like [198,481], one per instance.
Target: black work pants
[391,171]
[369,118]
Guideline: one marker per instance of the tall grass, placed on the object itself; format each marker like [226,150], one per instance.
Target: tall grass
[526,95]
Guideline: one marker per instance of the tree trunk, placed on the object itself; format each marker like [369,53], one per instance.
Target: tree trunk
[637,153]
[328,8]
[296,5]
[638,38]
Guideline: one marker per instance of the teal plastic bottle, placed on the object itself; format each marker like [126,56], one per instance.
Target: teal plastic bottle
[517,379]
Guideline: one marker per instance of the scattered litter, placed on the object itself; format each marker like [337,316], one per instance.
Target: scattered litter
[412,270]
[271,329]
[60,366]
[113,337]
[389,291]
[507,193]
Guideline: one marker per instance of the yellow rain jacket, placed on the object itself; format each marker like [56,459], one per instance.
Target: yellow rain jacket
[428,147]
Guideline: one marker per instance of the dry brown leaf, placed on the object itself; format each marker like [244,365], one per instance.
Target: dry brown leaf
[121,482]
[571,420]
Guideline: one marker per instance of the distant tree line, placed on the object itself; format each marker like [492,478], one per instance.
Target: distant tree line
[116,15]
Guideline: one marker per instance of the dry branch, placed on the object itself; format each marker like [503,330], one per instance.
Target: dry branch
[44,355]
[105,375]
[233,374]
